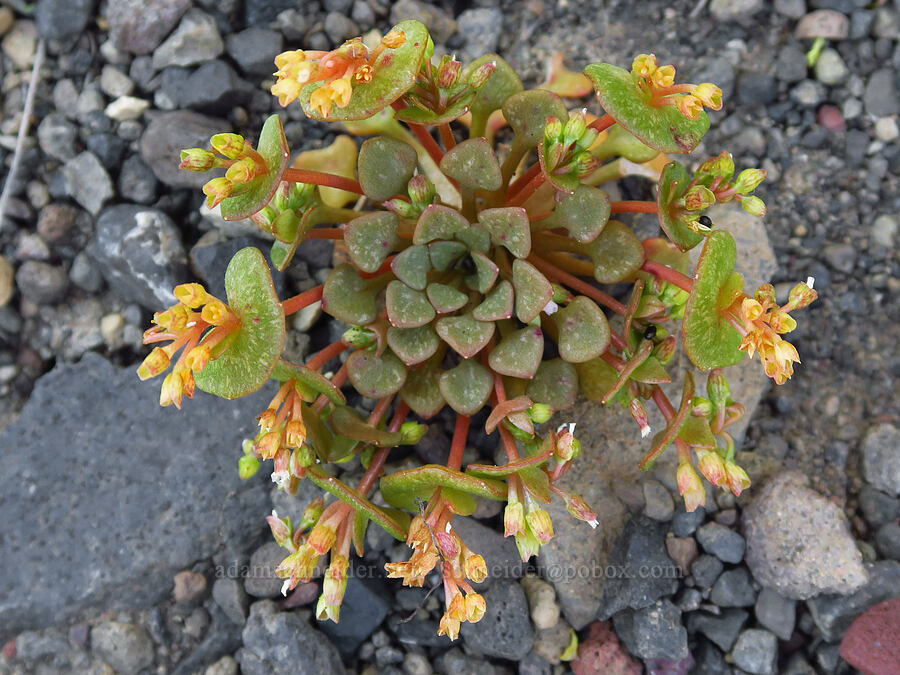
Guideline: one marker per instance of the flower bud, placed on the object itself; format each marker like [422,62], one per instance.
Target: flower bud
[709,94]
[584,163]
[575,127]
[781,322]
[527,544]
[229,145]
[721,166]
[449,544]
[412,432]
[690,487]
[421,190]
[248,465]
[322,538]
[191,295]
[553,129]
[736,478]
[156,362]
[475,607]
[312,513]
[402,208]
[567,447]
[358,337]
[539,413]
[475,568]
[701,407]
[560,295]
[216,190]
[282,531]
[699,198]
[448,74]
[664,349]
[513,519]
[242,171]
[639,413]
[717,388]
[579,509]
[481,75]
[748,180]
[197,159]
[296,468]
[801,296]
[539,522]
[711,466]
[197,358]
[304,456]
[753,205]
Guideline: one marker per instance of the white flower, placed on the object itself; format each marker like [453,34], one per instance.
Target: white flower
[810,281]
[285,587]
[645,431]
[281,479]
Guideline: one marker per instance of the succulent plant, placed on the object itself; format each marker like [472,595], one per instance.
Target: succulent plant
[471,279]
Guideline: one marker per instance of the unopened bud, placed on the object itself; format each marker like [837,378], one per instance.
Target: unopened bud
[639,413]
[197,159]
[513,519]
[699,198]
[358,337]
[421,190]
[475,568]
[229,145]
[156,362]
[248,465]
[304,456]
[765,294]
[748,180]
[560,295]
[539,413]
[781,322]
[690,487]
[191,295]
[801,296]
[664,349]
[282,531]
[736,478]
[402,208]
[553,129]
[753,205]
[584,163]
[216,190]
[701,407]
[481,75]
[711,466]
[242,171]
[412,432]
[721,166]
[579,509]
[312,513]
[567,447]
[448,543]
[575,127]
[475,607]
[539,522]
[322,538]
[448,74]
[717,388]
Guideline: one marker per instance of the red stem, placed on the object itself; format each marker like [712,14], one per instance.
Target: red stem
[662,402]
[633,207]
[379,409]
[577,284]
[447,136]
[458,444]
[326,355]
[426,139]
[325,233]
[523,180]
[321,178]
[602,123]
[380,456]
[304,299]
[509,445]
[530,188]
[666,273]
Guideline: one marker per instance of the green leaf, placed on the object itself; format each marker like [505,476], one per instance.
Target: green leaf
[661,127]
[485,273]
[347,422]
[273,148]
[695,431]
[583,330]
[253,348]
[318,436]
[282,252]
[309,378]
[467,387]
[411,266]
[519,353]
[527,112]
[446,299]
[566,182]
[403,488]
[667,435]
[710,341]
[673,183]
[664,252]
[465,334]
[394,73]
[375,376]
[371,238]
[597,378]
[394,522]
[385,167]
[508,227]
[533,291]
[422,392]
[616,254]
[555,384]
[445,253]
[416,115]
[438,222]
[348,297]
[620,143]
[413,345]
[584,214]
[651,371]
[407,308]
[497,305]
[473,165]
[501,84]
[475,238]
[532,460]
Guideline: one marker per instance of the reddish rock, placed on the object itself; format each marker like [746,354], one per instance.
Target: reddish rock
[602,654]
[872,644]
[830,117]
[303,594]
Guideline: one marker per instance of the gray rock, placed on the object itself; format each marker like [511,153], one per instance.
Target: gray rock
[776,613]
[87,182]
[756,651]
[705,570]
[41,283]
[756,89]
[834,613]
[639,571]
[211,255]
[136,462]
[139,253]
[167,135]
[825,23]
[124,646]
[793,9]
[280,643]
[658,503]
[230,596]
[264,12]
[799,543]
[685,523]
[255,49]
[709,660]
[85,274]
[887,541]
[881,458]
[115,83]
[721,629]
[339,27]
[500,553]
[790,65]
[808,93]
[480,30]
[136,181]
[440,24]
[196,40]
[881,98]
[107,148]
[733,588]
[830,68]
[504,631]
[653,632]
[56,137]
[841,257]
[32,645]
[730,10]
[62,20]
[138,26]
[366,604]
[222,638]
[877,507]
[261,581]
[723,542]
[214,88]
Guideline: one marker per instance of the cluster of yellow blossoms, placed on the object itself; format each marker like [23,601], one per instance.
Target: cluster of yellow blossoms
[658,82]
[337,70]
[243,164]
[186,324]
[435,543]
[281,431]
[762,322]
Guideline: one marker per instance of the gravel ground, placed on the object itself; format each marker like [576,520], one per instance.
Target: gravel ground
[101,226]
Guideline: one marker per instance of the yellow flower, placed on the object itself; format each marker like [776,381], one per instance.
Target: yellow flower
[736,477]
[690,106]
[286,90]
[448,627]
[475,607]
[644,65]
[320,101]
[663,76]
[690,487]
[340,91]
[709,94]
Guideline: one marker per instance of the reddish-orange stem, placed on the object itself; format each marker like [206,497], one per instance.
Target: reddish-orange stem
[326,355]
[426,139]
[447,136]
[378,459]
[321,178]
[632,207]
[577,284]
[304,299]
[379,409]
[523,180]
[325,233]
[529,189]
[458,444]
[602,123]
[666,273]
[509,445]
[662,402]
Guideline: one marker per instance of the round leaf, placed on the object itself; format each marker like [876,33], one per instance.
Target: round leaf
[411,266]
[466,387]
[445,253]
[347,297]
[497,305]
[413,345]
[274,150]
[394,73]
[422,392]
[465,334]
[519,353]
[583,330]
[371,238]
[485,273]
[527,111]
[407,308]
[446,299]
[438,222]
[509,227]
[501,84]
[475,238]
[385,167]
[555,384]
[616,254]
[473,165]
[709,339]
[584,214]
[661,127]
[255,347]
[375,376]
[533,291]
[404,489]
[673,183]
